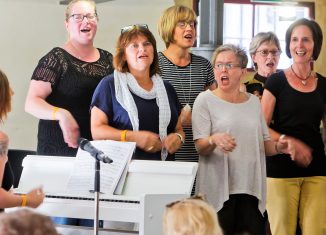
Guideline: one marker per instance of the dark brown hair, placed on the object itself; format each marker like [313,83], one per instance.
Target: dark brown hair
[119,61]
[317,36]
[5,96]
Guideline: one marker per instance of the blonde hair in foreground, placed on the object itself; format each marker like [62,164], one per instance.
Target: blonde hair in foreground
[190,217]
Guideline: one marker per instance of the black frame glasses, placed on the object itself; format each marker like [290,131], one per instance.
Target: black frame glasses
[80,17]
[131,27]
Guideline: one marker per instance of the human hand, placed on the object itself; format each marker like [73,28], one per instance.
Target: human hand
[185,116]
[69,127]
[148,141]
[299,152]
[172,143]
[224,141]
[35,197]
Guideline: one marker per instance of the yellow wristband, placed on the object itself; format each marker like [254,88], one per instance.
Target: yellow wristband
[24,200]
[54,112]
[123,136]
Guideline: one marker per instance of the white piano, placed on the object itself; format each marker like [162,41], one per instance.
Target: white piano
[149,186]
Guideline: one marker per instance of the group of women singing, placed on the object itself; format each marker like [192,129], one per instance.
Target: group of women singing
[178,106]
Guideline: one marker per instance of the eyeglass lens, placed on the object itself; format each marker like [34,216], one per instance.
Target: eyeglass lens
[80,17]
[265,53]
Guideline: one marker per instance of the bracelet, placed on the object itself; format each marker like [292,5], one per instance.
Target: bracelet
[54,112]
[181,137]
[123,135]
[210,141]
[24,200]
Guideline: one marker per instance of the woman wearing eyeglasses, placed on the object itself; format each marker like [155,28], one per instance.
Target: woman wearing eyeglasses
[63,83]
[232,138]
[189,74]
[135,104]
[265,53]
[296,99]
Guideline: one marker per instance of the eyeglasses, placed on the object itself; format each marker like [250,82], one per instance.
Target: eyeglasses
[228,66]
[195,197]
[265,53]
[184,24]
[80,17]
[130,27]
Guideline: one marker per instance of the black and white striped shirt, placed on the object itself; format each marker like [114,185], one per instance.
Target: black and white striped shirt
[188,81]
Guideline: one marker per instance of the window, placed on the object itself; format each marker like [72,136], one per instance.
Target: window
[244,19]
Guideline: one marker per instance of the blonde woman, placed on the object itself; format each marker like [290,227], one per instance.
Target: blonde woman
[189,74]
[63,83]
[191,216]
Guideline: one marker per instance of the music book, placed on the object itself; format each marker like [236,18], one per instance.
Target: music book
[112,176]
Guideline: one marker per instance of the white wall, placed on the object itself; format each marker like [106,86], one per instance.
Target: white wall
[31,28]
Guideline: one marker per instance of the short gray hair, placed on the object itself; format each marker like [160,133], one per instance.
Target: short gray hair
[239,52]
[261,38]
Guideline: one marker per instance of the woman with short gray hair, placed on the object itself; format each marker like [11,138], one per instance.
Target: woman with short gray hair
[265,53]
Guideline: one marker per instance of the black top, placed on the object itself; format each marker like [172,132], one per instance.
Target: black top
[73,82]
[256,84]
[8,178]
[297,114]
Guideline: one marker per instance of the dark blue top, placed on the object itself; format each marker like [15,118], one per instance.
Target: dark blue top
[148,113]
[297,114]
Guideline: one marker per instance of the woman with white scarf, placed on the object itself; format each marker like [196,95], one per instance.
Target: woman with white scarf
[135,104]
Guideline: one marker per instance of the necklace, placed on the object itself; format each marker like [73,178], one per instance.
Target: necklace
[187,106]
[303,80]
[76,52]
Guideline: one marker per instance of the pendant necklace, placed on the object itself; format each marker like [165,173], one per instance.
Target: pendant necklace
[187,106]
[303,80]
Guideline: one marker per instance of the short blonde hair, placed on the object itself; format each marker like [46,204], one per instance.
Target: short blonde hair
[169,19]
[5,96]
[26,222]
[71,3]
[190,217]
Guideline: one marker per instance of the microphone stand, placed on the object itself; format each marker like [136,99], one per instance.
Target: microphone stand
[97,194]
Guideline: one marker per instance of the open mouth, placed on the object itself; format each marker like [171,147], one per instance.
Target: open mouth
[85,30]
[300,53]
[188,36]
[270,64]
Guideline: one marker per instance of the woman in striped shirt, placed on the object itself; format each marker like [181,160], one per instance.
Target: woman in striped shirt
[189,74]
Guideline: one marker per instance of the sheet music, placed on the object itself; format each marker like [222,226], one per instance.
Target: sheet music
[82,177]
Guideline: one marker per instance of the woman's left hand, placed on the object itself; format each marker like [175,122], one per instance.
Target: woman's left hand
[172,143]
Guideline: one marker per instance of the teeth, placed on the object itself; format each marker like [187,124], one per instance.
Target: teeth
[300,52]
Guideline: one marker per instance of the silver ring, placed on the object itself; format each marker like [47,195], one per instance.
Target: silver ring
[150,148]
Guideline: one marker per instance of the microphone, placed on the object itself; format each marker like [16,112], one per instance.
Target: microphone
[86,145]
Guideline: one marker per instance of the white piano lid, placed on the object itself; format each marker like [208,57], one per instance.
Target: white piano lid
[144,177]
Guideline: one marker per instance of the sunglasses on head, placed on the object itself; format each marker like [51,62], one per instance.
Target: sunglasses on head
[195,197]
[130,27]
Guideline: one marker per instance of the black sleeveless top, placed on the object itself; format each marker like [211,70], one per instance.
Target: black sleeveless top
[73,82]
